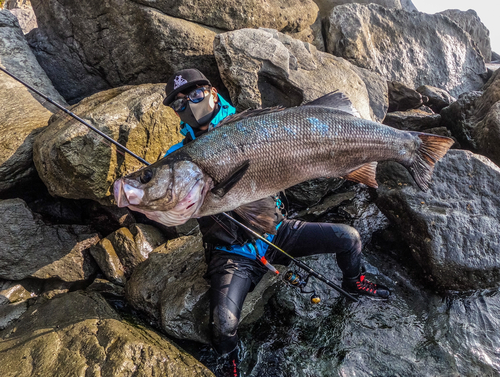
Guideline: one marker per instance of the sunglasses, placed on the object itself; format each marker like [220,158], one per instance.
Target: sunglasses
[195,96]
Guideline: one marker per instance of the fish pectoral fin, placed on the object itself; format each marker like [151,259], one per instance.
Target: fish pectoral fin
[260,214]
[365,174]
[227,184]
[336,100]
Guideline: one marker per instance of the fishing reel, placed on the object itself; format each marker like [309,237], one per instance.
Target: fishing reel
[295,280]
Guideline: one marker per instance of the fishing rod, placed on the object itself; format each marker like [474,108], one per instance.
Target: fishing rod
[76,117]
[293,277]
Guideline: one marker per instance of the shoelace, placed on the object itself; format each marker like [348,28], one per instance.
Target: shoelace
[366,285]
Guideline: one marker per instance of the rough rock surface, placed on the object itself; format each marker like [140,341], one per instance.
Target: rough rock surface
[79,334]
[264,68]
[474,119]
[410,47]
[86,47]
[451,229]
[282,15]
[120,252]
[402,98]
[75,162]
[326,6]
[23,114]
[438,99]
[29,248]
[412,120]
[470,22]
[24,12]
[170,289]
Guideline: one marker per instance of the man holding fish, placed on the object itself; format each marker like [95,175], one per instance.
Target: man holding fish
[238,162]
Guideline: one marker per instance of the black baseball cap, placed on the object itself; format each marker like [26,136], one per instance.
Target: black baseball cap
[182,80]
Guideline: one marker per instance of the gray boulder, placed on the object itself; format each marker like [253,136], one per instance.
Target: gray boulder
[24,12]
[438,99]
[170,290]
[120,252]
[413,120]
[75,162]
[470,22]
[451,230]
[402,98]
[326,6]
[23,113]
[264,68]
[30,248]
[410,47]
[79,334]
[282,15]
[474,119]
[87,47]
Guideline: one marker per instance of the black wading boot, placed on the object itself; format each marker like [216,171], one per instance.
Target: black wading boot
[227,365]
[362,286]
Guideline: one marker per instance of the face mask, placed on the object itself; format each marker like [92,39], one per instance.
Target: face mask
[199,114]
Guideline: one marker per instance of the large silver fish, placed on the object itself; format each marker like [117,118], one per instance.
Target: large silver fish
[257,154]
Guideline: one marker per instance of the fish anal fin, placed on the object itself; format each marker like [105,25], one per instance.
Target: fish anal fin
[432,149]
[228,183]
[335,100]
[364,174]
[260,214]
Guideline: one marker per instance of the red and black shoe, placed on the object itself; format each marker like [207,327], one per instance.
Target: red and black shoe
[227,365]
[362,286]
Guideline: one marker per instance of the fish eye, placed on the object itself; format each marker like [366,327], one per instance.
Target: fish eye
[146,176]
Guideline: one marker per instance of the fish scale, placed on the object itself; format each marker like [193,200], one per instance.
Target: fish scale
[253,156]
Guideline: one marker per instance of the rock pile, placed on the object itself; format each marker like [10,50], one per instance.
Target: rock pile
[66,249]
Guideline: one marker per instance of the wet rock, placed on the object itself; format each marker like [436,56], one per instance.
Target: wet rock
[409,47]
[24,13]
[77,334]
[23,114]
[474,119]
[87,47]
[310,193]
[402,98]
[282,15]
[412,120]
[74,162]
[30,248]
[12,292]
[170,290]
[457,118]
[122,251]
[470,22]
[451,229]
[264,68]
[437,98]
[9,313]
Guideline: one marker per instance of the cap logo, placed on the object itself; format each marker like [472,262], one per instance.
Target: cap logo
[178,81]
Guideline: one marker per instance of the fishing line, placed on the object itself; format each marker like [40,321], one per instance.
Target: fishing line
[111,140]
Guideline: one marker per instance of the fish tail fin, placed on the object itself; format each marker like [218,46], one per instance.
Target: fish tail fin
[432,149]
[260,214]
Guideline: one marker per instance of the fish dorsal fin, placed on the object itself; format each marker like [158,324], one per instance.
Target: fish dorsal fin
[249,113]
[365,174]
[336,100]
[260,214]
[227,184]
